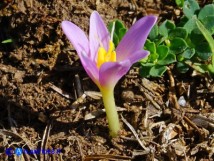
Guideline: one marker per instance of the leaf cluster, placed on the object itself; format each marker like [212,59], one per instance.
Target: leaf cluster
[188,44]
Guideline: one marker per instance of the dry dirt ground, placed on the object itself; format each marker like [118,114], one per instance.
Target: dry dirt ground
[48,102]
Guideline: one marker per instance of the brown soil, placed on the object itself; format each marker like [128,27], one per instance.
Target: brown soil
[47,100]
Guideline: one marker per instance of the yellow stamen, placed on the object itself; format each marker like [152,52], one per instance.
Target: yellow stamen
[101,56]
[113,56]
[104,56]
[111,46]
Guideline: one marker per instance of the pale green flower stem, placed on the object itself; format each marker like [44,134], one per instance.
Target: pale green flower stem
[111,111]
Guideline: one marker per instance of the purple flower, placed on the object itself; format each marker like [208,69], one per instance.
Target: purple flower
[102,63]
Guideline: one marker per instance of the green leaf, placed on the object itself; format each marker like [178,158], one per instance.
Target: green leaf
[115,39]
[150,46]
[153,57]
[190,8]
[178,45]
[145,70]
[179,3]
[190,25]
[196,37]
[182,67]
[206,34]
[144,60]
[188,53]
[209,23]
[208,37]
[7,41]
[178,32]
[119,31]
[169,59]
[165,27]
[118,25]
[122,32]
[162,51]
[154,32]
[203,51]
[183,20]
[207,10]
[157,71]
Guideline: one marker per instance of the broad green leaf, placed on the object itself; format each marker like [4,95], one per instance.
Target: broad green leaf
[157,71]
[154,32]
[190,8]
[178,32]
[178,45]
[122,32]
[165,27]
[169,59]
[115,39]
[150,46]
[179,3]
[162,51]
[118,25]
[188,53]
[207,10]
[145,70]
[183,20]
[182,67]
[197,37]
[208,37]
[203,51]
[190,25]
[209,23]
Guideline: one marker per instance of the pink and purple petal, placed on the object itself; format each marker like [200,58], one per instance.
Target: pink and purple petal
[111,72]
[80,42]
[135,38]
[90,68]
[77,38]
[98,34]
[138,55]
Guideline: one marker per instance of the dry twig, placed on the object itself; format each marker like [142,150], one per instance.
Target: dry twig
[135,133]
[44,141]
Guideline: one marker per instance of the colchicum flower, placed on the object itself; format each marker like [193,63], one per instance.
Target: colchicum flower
[104,64]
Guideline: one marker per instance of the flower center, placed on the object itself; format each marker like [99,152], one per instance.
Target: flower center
[106,56]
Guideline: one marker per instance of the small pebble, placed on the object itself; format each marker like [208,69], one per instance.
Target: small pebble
[182,101]
[177,12]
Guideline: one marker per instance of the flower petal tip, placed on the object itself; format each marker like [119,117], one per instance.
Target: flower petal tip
[65,24]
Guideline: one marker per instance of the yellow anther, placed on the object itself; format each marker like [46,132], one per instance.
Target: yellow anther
[113,56]
[111,46]
[101,56]
[104,56]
